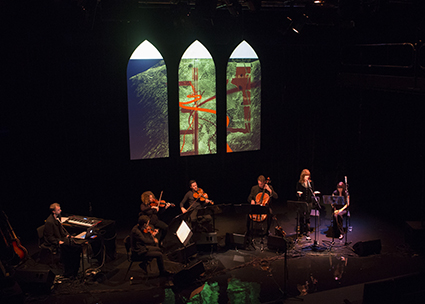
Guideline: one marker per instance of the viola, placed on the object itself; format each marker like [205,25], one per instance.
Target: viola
[202,196]
[149,229]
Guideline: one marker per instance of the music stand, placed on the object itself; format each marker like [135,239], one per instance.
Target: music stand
[252,209]
[184,233]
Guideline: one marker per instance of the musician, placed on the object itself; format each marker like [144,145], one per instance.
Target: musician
[146,208]
[192,206]
[56,236]
[341,190]
[305,192]
[144,244]
[262,186]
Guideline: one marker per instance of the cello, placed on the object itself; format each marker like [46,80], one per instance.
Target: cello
[262,199]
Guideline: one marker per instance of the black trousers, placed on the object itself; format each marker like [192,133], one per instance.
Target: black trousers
[70,254]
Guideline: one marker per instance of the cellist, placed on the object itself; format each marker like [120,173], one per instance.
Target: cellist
[256,194]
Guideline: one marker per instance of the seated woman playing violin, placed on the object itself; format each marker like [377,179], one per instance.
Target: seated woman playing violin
[193,201]
[150,207]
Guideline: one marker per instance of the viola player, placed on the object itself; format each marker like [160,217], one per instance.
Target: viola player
[193,201]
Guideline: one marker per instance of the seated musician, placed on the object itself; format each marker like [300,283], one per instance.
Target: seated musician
[56,236]
[192,203]
[147,207]
[338,226]
[144,245]
[256,195]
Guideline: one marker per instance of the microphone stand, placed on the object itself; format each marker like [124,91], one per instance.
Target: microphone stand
[315,217]
[348,211]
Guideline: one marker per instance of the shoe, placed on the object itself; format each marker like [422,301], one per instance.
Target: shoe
[341,236]
[308,238]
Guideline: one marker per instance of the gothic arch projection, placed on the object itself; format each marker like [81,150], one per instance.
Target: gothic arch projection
[197,101]
[147,103]
[243,85]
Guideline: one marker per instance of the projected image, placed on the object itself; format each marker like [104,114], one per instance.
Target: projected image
[243,100]
[147,103]
[197,102]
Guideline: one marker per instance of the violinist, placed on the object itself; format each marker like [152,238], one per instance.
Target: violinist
[341,190]
[263,186]
[193,201]
[150,207]
[144,245]
[306,193]
[55,236]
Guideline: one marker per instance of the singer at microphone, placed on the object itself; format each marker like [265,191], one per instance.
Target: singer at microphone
[305,192]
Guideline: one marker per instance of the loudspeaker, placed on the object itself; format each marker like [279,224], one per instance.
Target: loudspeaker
[183,254]
[35,280]
[367,248]
[205,238]
[277,243]
[234,240]
[188,275]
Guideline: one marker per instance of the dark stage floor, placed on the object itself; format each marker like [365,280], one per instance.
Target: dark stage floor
[313,272]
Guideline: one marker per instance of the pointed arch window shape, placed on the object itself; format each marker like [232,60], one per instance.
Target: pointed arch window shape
[197,101]
[147,103]
[243,101]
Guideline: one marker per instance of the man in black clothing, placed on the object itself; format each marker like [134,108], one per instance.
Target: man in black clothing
[262,191]
[144,245]
[192,205]
[56,236]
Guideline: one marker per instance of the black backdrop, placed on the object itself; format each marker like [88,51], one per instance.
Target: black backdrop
[64,124]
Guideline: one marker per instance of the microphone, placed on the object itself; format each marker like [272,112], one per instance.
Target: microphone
[345,178]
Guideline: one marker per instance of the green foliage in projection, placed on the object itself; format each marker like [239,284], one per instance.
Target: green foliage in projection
[239,136]
[197,95]
[151,89]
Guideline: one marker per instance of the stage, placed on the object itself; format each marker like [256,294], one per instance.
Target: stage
[377,259]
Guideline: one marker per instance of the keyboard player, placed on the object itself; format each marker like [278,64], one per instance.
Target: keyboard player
[56,236]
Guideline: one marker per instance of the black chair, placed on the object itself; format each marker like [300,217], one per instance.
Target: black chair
[43,247]
[127,244]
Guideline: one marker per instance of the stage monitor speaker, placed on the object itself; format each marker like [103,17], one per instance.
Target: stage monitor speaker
[188,275]
[367,248]
[182,255]
[234,240]
[35,280]
[277,243]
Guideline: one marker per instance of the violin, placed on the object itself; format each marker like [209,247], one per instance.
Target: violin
[202,196]
[262,199]
[161,203]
